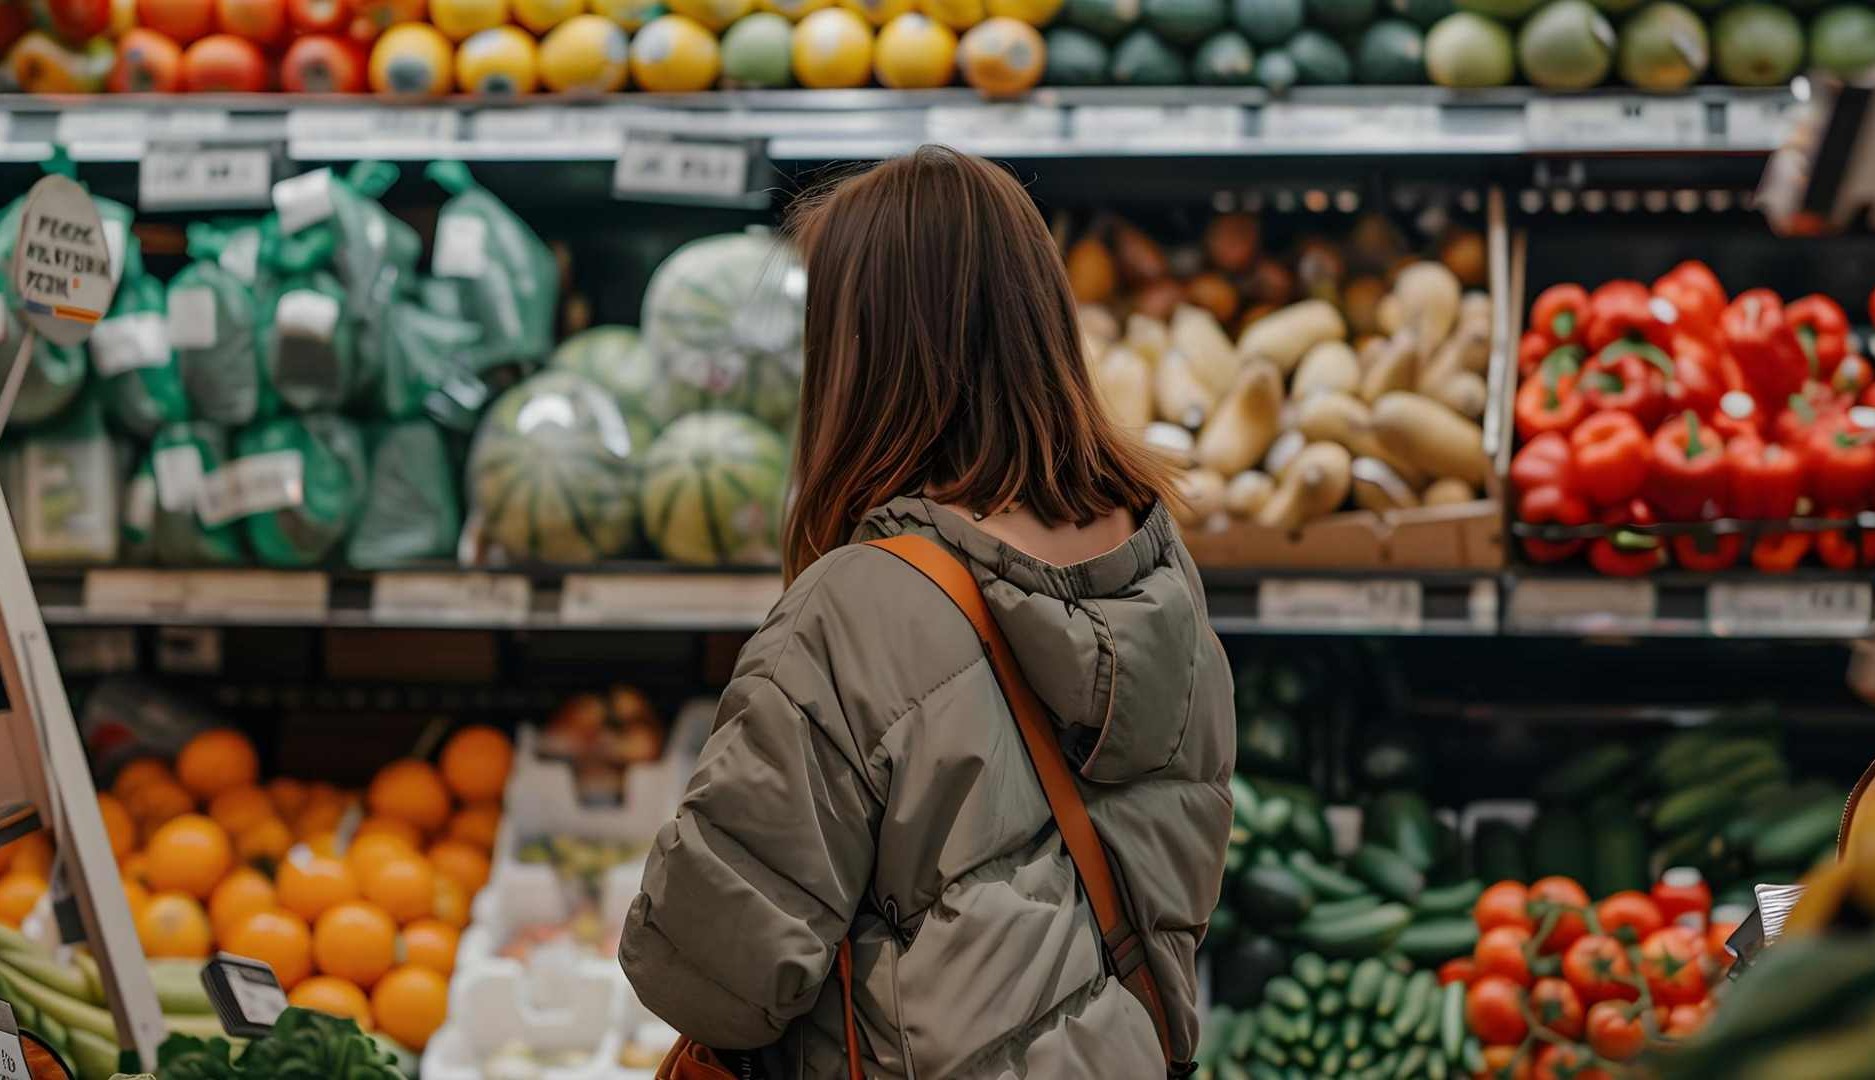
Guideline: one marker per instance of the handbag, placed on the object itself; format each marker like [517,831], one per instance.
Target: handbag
[1125,952]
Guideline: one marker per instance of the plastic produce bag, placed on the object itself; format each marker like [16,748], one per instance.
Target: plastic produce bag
[617,358]
[411,510]
[53,380]
[215,329]
[312,363]
[509,280]
[62,488]
[372,251]
[130,352]
[163,501]
[299,483]
[424,367]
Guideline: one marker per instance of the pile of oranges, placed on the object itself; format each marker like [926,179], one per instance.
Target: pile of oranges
[211,858]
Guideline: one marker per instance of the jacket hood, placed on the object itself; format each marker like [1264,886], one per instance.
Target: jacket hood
[1109,644]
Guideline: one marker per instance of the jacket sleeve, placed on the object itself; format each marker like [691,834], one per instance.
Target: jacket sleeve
[748,893]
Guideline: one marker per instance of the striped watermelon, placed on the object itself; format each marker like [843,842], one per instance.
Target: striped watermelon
[713,487]
[616,358]
[551,474]
[723,314]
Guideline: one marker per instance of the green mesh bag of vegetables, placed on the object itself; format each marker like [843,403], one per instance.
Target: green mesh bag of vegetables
[510,282]
[297,481]
[412,511]
[163,500]
[217,333]
[424,366]
[62,487]
[312,361]
[130,352]
[54,376]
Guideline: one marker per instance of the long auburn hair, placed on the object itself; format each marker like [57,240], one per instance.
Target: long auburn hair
[943,358]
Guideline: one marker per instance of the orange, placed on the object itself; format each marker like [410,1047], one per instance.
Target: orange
[215,761]
[432,944]
[136,868]
[19,891]
[136,898]
[238,807]
[450,903]
[6,855]
[475,762]
[324,843]
[405,887]
[117,825]
[368,853]
[189,854]
[289,795]
[476,824]
[263,843]
[355,941]
[392,827]
[320,816]
[410,1004]
[137,773]
[309,885]
[158,801]
[409,790]
[173,924]
[32,854]
[334,997]
[239,895]
[278,939]
[460,862]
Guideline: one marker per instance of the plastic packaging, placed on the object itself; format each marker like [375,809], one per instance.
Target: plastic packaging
[619,361]
[298,482]
[312,361]
[62,488]
[411,510]
[422,366]
[162,502]
[509,280]
[216,331]
[131,355]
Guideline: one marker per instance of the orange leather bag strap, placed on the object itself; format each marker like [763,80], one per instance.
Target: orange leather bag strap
[1126,953]
[845,964]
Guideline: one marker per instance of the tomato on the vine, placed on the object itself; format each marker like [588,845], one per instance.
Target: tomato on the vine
[1717,934]
[1494,1010]
[1560,893]
[1672,963]
[1505,1063]
[1458,969]
[1500,951]
[1629,916]
[1556,1007]
[1503,904]
[1613,1032]
[1559,1062]
[1597,966]
[1683,1020]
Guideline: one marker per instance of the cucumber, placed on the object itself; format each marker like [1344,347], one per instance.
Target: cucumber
[1273,896]
[1310,970]
[1303,1056]
[1243,802]
[1452,1021]
[1288,994]
[1273,1024]
[1694,806]
[1243,1035]
[1392,988]
[1497,851]
[1585,772]
[1412,1064]
[1272,816]
[1360,1058]
[1338,973]
[1434,941]
[1559,844]
[1427,1033]
[1328,883]
[1383,1036]
[1323,1037]
[1358,935]
[1331,1061]
[1333,910]
[1617,855]
[1401,821]
[1798,835]
[1271,1051]
[1435,1067]
[1364,984]
[1329,1003]
[1472,1055]
[1309,828]
[1414,1001]
[1454,899]
[1390,873]
[1353,1033]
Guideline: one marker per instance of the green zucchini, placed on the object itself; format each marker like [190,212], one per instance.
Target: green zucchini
[1309,828]
[1390,873]
[1310,970]
[1272,896]
[1434,941]
[1327,882]
[1584,772]
[1798,835]
[1364,983]
[1454,899]
[1402,822]
[1287,993]
[1452,1021]
[1332,910]
[1357,935]
[1414,1001]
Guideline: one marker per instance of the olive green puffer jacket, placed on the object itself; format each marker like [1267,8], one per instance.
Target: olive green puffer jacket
[865,776]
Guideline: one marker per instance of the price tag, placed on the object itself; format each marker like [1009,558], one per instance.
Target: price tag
[599,127]
[476,598]
[976,125]
[662,168]
[1788,609]
[1288,122]
[1156,125]
[690,601]
[1598,122]
[415,125]
[134,594]
[1585,606]
[203,178]
[61,270]
[1307,604]
[12,1054]
[293,596]
[246,994]
[1759,123]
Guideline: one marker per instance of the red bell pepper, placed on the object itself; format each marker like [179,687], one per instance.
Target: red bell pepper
[1841,459]
[1760,337]
[1561,312]
[1611,455]
[1689,470]
[1696,296]
[1806,413]
[1697,382]
[1531,349]
[1626,383]
[1628,553]
[1543,473]
[1852,376]
[1779,553]
[1841,549]
[1544,461]
[1738,414]
[1822,332]
[1548,399]
[1622,311]
[1767,478]
[1707,554]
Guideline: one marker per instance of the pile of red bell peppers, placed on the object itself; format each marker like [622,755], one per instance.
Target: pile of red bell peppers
[1678,403]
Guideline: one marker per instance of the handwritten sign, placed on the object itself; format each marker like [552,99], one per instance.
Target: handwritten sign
[62,263]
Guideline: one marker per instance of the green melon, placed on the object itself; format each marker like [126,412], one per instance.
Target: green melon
[1842,40]
[1392,52]
[299,523]
[1185,22]
[1421,13]
[1143,59]
[1506,10]
[1568,45]
[1276,72]
[1341,16]
[618,361]
[1268,22]
[757,51]
[713,488]
[1466,50]
[723,316]
[1075,58]
[1105,19]
[1663,47]
[1618,7]
[1757,44]
[1225,59]
[1320,60]
[551,476]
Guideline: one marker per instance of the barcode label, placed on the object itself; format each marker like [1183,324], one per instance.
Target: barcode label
[1788,609]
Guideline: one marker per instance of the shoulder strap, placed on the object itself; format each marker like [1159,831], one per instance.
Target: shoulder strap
[1126,953]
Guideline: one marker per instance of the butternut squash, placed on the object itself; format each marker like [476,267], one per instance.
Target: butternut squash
[1429,295]
[1379,488]
[1463,353]
[1172,442]
[1247,492]
[1240,431]
[1200,498]
[1195,333]
[1432,437]
[1328,365]
[1123,380]
[1450,491]
[1283,451]
[1091,273]
[1182,398]
[1314,484]
[1389,315]
[1147,336]
[1098,323]
[1283,336]
[1464,393]
[1393,368]
[1340,418]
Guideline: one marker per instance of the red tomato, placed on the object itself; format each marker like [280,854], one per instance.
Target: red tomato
[1557,1007]
[1683,1020]
[1681,891]
[1459,969]
[1597,966]
[78,21]
[260,21]
[1613,1033]
[1567,1063]
[1716,936]
[1500,951]
[181,21]
[223,64]
[1629,916]
[1503,905]
[318,16]
[147,63]
[322,64]
[1494,1010]
[1505,1063]
[1559,892]
[1672,963]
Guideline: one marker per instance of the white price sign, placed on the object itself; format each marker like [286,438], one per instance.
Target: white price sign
[975,125]
[664,168]
[417,125]
[1157,125]
[1597,122]
[1760,123]
[1309,604]
[1285,122]
[688,600]
[1788,609]
[597,125]
[198,178]
[477,598]
[61,268]
[1582,606]
[12,1057]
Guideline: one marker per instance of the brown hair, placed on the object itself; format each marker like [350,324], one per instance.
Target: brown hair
[943,357]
